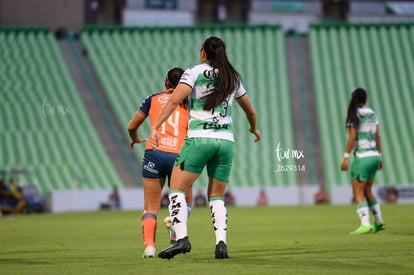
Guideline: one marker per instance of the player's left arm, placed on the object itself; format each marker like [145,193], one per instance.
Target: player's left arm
[379,145]
[248,109]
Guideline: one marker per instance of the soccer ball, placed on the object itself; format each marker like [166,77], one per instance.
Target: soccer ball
[168,222]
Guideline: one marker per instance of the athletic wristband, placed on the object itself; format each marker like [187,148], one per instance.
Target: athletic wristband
[346,155]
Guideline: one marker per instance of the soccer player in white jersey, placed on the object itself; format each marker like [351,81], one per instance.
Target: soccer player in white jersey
[365,141]
[211,87]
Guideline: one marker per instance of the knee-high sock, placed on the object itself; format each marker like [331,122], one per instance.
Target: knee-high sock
[375,208]
[219,218]
[363,213]
[178,213]
[149,228]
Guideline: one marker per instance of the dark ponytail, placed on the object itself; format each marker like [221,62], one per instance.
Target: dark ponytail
[225,79]
[359,97]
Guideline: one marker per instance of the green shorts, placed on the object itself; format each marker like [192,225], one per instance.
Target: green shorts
[364,169]
[216,154]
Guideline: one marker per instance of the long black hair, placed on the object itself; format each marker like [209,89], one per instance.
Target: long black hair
[226,78]
[359,97]
[172,79]
[173,76]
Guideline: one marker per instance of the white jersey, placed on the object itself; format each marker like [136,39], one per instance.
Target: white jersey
[365,145]
[215,123]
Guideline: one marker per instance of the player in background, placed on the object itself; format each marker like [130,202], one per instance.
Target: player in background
[158,163]
[364,139]
[212,87]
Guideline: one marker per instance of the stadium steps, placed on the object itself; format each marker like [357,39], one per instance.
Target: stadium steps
[305,123]
[131,64]
[47,130]
[378,57]
[101,113]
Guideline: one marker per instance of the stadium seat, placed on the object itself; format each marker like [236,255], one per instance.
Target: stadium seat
[378,57]
[47,129]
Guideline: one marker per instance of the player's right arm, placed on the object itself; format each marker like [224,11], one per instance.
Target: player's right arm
[137,120]
[133,126]
[349,145]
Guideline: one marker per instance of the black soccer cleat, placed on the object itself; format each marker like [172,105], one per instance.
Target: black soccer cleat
[180,246]
[221,251]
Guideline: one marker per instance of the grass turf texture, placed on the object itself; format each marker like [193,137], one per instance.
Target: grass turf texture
[264,240]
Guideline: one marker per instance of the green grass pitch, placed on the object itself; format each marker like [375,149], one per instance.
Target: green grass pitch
[261,240]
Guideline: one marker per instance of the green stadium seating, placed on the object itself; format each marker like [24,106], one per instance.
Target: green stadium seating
[45,127]
[378,57]
[131,64]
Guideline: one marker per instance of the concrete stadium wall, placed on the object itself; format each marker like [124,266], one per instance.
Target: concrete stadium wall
[142,17]
[52,14]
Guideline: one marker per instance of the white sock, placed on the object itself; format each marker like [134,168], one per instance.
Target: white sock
[363,213]
[219,219]
[178,213]
[375,208]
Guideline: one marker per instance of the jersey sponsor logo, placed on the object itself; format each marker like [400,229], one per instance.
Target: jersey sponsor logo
[210,74]
[163,99]
[215,126]
[170,142]
[175,209]
[150,168]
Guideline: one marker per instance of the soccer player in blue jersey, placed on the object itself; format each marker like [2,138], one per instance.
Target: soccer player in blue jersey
[157,164]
